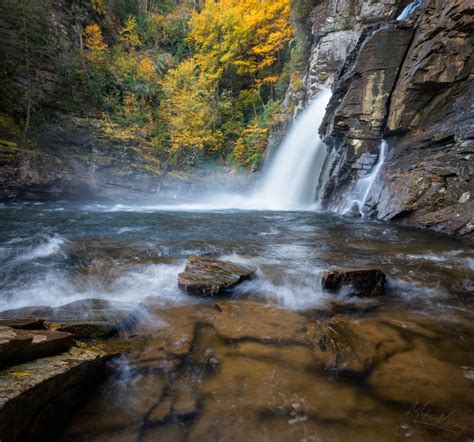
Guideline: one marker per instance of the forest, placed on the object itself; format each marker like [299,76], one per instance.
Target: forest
[193,81]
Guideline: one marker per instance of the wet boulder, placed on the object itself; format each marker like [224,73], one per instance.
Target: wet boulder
[211,277]
[362,283]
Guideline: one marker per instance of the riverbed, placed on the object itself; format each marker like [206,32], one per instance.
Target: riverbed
[243,385]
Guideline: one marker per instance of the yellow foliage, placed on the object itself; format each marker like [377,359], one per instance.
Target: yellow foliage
[99,7]
[125,64]
[146,70]
[19,374]
[244,33]
[251,144]
[94,43]
[188,108]
[128,33]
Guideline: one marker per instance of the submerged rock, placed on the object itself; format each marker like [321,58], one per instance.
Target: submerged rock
[363,283]
[416,377]
[353,345]
[211,277]
[464,289]
[238,320]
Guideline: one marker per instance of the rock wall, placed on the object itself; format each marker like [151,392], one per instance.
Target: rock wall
[56,34]
[336,26]
[410,83]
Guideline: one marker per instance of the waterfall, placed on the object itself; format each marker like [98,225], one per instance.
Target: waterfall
[409,10]
[290,179]
[360,192]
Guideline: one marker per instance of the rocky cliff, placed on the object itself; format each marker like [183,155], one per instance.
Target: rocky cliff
[408,82]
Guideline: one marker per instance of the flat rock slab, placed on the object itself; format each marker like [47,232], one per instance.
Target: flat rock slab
[83,319]
[363,283]
[211,277]
[18,346]
[240,320]
[33,394]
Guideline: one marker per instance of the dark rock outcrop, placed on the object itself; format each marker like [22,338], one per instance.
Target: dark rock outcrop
[36,397]
[363,283]
[211,277]
[422,107]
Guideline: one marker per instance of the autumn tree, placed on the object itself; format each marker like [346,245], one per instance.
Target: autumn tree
[238,47]
[245,34]
[94,43]
[128,33]
[188,111]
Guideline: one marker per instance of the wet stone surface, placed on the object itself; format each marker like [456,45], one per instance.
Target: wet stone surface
[211,277]
[363,283]
[242,370]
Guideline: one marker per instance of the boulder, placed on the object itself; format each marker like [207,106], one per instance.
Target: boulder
[36,394]
[353,345]
[211,277]
[363,283]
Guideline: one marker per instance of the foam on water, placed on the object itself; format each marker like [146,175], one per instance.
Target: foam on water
[134,284]
[48,246]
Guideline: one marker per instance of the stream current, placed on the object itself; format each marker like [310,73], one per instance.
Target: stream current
[244,379]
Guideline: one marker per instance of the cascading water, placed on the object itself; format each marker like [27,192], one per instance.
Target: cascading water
[409,10]
[290,180]
[360,192]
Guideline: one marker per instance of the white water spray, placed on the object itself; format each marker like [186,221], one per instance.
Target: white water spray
[409,10]
[360,192]
[290,180]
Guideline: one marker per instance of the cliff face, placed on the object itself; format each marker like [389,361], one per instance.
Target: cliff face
[336,26]
[68,156]
[409,82]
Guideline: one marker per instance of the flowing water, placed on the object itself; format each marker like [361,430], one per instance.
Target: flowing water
[56,253]
[289,179]
[248,388]
[255,365]
[409,10]
[360,192]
